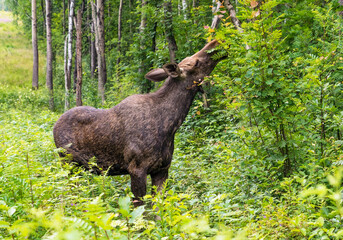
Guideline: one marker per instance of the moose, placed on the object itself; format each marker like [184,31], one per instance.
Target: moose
[136,136]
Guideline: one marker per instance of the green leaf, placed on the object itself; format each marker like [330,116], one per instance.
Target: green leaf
[4,224]
[11,211]
[269,82]
[136,213]
[124,203]
[320,221]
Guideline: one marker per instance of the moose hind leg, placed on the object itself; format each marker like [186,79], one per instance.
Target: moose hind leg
[158,180]
[138,186]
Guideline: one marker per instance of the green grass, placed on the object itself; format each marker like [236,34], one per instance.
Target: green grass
[16,58]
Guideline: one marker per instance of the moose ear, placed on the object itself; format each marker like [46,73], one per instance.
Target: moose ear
[156,75]
[172,69]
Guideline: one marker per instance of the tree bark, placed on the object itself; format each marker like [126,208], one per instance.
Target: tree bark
[94,41]
[64,17]
[146,85]
[79,58]
[66,98]
[216,19]
[49,79]
[168,23]
[70,43]
[92,50]
[100,29]
[131,17]
[184,9]
[34,45]
[75,66]
[120,11]
[232,13]
[44,15]
[195,4]
[68,54]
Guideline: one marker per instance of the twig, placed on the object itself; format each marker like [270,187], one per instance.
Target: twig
[30,180]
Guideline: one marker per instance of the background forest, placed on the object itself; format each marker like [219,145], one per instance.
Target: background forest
[258,157]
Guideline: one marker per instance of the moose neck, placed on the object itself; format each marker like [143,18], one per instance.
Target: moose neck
[175,102]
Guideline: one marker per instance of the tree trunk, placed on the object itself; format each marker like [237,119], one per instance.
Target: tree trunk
[70,41]
[142,27]
[79,58]
[102,75]
[75,68]
[146,85]
[34,45]
[184,9]
[66,98]
[64,17]
[119,29]
[120,11]
[93,52]
[70,54]
[232,13]
[49,80]
[215,9]
[168,23]
[195,10]
[44,15]
[143,17]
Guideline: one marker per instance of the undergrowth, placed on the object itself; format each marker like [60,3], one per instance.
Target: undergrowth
[220,186]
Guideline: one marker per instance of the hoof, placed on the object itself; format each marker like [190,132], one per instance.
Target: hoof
[137,203]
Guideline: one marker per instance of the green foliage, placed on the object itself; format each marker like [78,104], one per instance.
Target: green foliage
[262,162]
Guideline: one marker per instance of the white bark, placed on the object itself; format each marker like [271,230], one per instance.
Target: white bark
[66,99]
[70,42]
[184,9]
[34,45]
[215,9]
[49,80]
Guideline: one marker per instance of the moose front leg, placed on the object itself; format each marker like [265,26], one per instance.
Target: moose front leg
[158,179]
[138,186]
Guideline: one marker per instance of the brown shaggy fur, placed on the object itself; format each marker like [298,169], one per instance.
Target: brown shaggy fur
[136,136]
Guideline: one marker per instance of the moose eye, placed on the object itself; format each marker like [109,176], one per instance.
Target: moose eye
[197,63]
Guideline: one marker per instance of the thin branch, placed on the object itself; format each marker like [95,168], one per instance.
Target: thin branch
[232,12]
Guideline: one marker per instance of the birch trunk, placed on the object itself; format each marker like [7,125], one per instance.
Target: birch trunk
[64,17]
[146,85]
[95,35]
[215,9]
[70,43]
[79,58]
[49,79]
[184,9]
[66,98]
[232,13]
[34,45]
[102,75]
[120,10]
[168,23]
[68,56]
[43,14]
